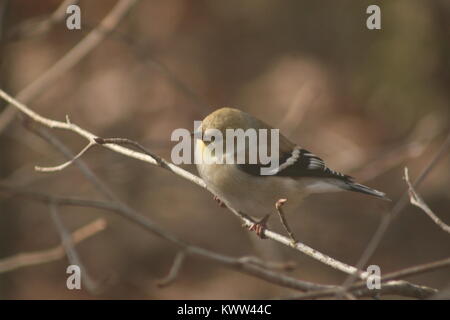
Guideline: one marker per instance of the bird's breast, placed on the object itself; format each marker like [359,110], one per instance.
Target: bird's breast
[250,194]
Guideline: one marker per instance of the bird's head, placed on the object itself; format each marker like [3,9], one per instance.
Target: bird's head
[230,118]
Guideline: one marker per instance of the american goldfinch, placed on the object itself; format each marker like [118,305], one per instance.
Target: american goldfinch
[242,186]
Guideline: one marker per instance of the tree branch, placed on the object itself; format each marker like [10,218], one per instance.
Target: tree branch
[44,256]
[360,288]
[144,222]
[69,248]
[237,264]
[174,270]
[40,25]
[394,212]
[67,163]
[154,160]
[243,265]
[417,201]
[70,59]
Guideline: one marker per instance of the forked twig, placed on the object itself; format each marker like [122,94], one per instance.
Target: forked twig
[72,255]
[174,270]
[279,206]
[252,269]
[27,259]
[70,59]
[417,201]
[394,212]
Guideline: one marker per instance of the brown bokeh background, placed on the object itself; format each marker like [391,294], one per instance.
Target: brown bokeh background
[368,102]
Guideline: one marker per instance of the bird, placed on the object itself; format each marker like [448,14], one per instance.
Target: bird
[242,186]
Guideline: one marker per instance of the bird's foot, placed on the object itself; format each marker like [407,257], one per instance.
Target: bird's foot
[260,226]
[220,202]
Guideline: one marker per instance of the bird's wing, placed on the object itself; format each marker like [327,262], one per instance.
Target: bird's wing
[296,163]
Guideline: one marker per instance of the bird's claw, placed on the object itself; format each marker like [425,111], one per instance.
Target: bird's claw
[220,202]
[260,226]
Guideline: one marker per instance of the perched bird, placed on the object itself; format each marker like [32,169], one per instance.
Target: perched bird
[243,187]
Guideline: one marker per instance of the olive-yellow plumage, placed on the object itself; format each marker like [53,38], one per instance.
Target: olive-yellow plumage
[300,173]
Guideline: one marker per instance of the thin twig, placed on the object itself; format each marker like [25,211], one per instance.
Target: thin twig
[361,290]
[40,25]
[279,206]
[67,163]
[84,169]
[416,144]
[184,174]
[247,222]
[72,255]
[444,294]
[174,270]
[27,259]
[239,264]
[415,270]
[272,265]
[417,201]
[362,285]
[124,141]
[70,59]
[267,275]
[389,159]
[147,224]
[396,210]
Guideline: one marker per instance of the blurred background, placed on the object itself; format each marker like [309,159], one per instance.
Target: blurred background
[369,102]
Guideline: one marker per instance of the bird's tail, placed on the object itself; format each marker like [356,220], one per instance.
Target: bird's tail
[356,187]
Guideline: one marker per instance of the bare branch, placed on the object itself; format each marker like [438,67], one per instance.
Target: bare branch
[39,257]
[360,287]
[67,163]
[69,248]
[444,294]
[84,169]
[147,157]
[70,59]
[394,212]
[272,265]
[416,144]
[422,268]
[396,287]
[40,25]
[123,141]
[147,224]
[174,270]
[389,159]
[243,265]
[233,263]
[247,222]
[279,206]
[417,201]
[407,289]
